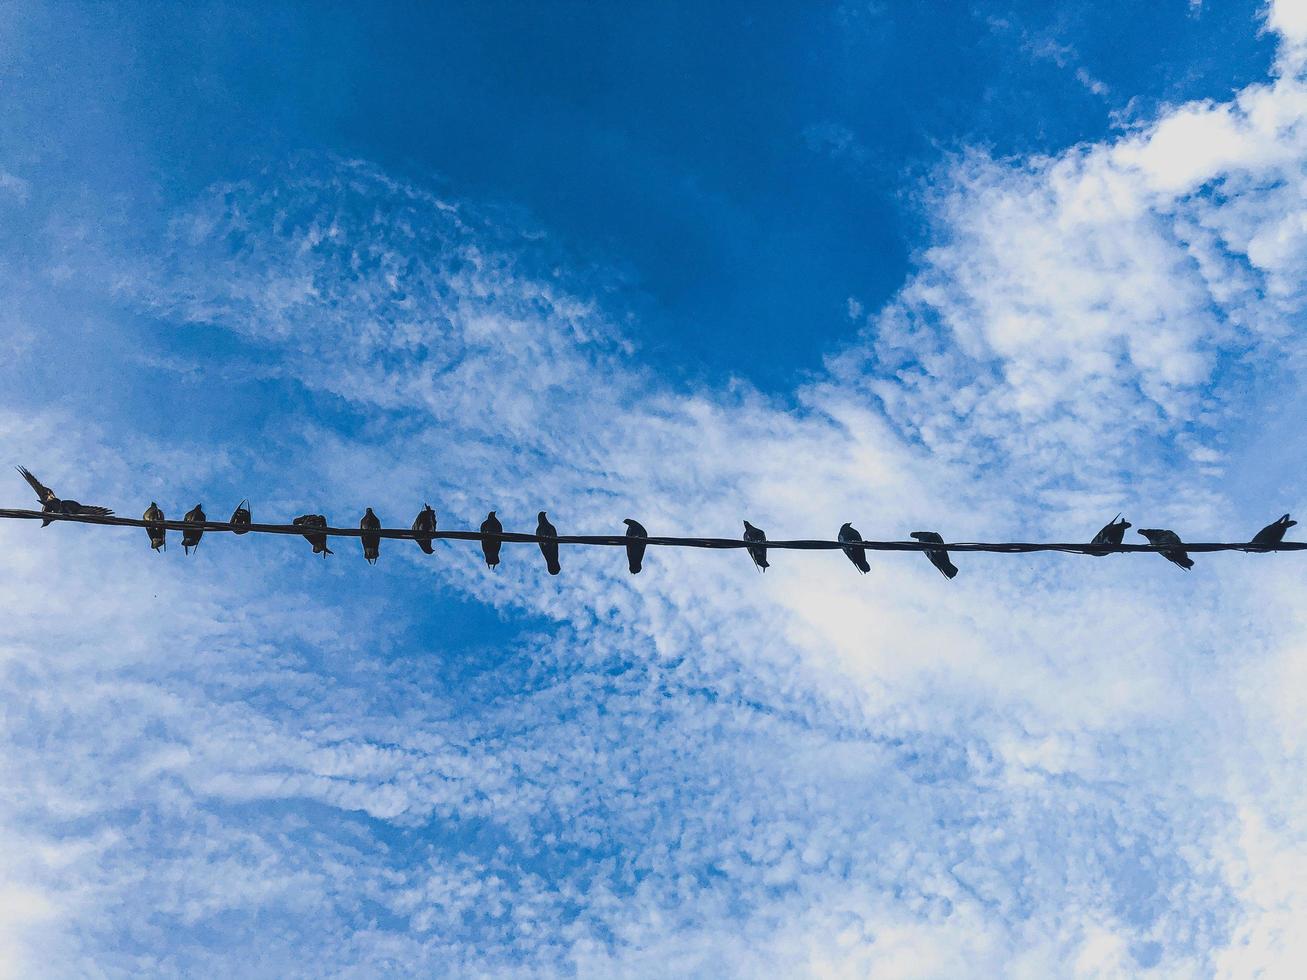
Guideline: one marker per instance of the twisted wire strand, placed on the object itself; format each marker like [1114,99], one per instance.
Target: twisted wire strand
[621,540]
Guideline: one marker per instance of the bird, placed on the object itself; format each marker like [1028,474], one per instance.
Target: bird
[158,533]
[318,540]
[1175,553]
[425,521]
[50,504]
[490,546]
[191,536]
[371,542]
[240,518]
[856,554]
[635,535]
[757,552]
[1111,534]
[938,556]
[1273,534]
[548,548]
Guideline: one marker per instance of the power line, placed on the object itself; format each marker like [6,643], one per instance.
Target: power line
[622,540]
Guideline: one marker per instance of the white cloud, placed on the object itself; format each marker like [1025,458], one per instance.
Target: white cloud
[700,770]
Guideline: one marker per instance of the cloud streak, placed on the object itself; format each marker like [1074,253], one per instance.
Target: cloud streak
[699,770]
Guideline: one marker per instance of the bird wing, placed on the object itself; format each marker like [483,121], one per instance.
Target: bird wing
[92,509]
[42,491]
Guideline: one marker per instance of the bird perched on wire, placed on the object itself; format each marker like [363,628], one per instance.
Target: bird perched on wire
[757,552]
[548,548]
[1111,534]
[157,532]
[856,554]
[241,518]
[1174,552]
[425,521]
[635,535]
[51,504]
[938,556]
[371,542]
[191,535]
[318,540]
[490,546]
[1273,534]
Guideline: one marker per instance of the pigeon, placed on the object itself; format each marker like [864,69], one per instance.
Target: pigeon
[635,535]
[938,556]
[1273,534]
[241,517]
[757,553]
[490,546]
[425,521]
[319,541]
[191,536]
[548,548]
[371,542]
[1174,554]
[50,504]
[158,533]
[1112,533]
[856,555]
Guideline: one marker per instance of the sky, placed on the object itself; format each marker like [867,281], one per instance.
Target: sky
[1001,270]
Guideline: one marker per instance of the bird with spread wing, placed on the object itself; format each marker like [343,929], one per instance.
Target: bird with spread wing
[50,504]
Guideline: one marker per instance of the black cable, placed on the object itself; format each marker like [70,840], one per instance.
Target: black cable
[621,540]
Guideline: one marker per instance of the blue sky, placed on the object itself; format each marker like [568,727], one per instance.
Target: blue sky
[1002,272]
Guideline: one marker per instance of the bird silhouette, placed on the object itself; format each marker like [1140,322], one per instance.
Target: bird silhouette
[157,532]
[548,548]
[425,521]
[757,552]
[490,546]
[191,535]
[50,504]
[1273,533]
[856,555]
[318,540]
[371,542]
[241,517]
[1175,553]
[938,556]
[1113,533]
[635,535]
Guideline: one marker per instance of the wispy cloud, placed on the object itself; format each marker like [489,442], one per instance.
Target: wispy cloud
[699,770]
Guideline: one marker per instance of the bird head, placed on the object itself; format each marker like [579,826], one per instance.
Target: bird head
[1286,522]
[492,513]
[542,516]
[628,522]
[846,526]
